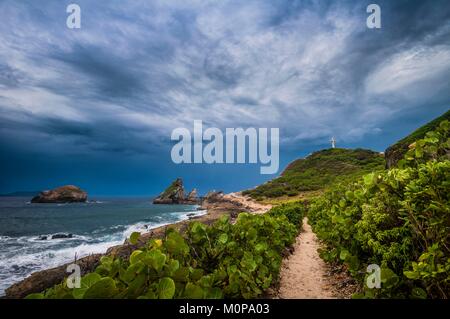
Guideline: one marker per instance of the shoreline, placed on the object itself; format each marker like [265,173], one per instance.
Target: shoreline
[229,204]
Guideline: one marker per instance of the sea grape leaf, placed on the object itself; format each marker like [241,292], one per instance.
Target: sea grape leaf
[137,286]
[136,256]
[166,288]
[86,282]
[369,179]
[223,238]
[106,260]
[388,277]
[344,254]
[196,274]
[175,244]
[418,293]
[103,289]
[206,281]
[132,271]
[134,238]
[214,293]
[411,274]
[156,259]
[182,274]
[192,291]
[172,266]
[260,247]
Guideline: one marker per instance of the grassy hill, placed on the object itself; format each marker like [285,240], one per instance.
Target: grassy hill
[319,170]
[395,152]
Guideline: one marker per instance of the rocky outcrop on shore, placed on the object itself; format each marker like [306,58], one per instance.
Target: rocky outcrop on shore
[193,196]
[64,194]
[175,194]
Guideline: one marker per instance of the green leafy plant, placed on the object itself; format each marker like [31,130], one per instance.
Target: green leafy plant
[398,219]
[223,260]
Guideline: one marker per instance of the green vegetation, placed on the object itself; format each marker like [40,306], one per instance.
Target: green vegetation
[218,261]
[397,219]
[396,152]
[294,211]
[319,171]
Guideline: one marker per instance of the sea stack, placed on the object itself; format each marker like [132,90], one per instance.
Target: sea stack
[64,194]
[175,194]
[192,196]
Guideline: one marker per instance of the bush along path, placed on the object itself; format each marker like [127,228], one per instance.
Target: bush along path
[398,220]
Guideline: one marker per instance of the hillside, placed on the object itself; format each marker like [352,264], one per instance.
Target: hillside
[395,152]
[319,170]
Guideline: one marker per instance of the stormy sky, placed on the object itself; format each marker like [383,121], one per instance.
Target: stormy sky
[96,106]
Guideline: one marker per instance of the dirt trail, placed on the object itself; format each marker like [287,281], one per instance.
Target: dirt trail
[303,273]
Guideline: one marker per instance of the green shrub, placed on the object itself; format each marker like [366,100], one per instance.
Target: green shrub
[398,219]
[218,261]
[294,211]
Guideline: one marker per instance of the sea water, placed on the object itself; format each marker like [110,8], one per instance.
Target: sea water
[95,226]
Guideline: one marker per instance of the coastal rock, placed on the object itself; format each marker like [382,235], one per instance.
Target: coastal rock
[214,196]
[193,196]
[64,194]
[175,194]
[41,280]
[62,236]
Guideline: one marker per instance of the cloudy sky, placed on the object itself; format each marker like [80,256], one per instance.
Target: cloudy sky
[96,106]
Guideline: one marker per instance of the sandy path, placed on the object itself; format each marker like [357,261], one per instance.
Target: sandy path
[303,273]
[248,203]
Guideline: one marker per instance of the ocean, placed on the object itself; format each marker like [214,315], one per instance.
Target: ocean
[95,226]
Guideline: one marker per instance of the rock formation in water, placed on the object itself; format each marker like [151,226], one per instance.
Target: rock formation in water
[64,194]
[192,196]
[175,194]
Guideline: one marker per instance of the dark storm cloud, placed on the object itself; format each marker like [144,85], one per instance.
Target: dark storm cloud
[138,69]
[109,74]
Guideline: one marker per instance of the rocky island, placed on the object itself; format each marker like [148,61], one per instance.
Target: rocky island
[175,194]
[63,194]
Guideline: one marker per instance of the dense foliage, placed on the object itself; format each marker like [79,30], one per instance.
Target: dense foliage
[294,211]
[224,260]
[318,171]
[397,151]
[398,219]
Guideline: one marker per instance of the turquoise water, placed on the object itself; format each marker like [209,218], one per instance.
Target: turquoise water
[95,226]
